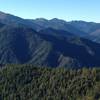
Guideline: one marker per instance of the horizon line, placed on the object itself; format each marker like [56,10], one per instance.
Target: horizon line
[48,18]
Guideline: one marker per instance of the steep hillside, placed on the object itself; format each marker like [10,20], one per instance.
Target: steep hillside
[17,44]
[20,44]
[57,43]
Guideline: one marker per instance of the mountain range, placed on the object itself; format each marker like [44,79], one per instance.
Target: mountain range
[54,43]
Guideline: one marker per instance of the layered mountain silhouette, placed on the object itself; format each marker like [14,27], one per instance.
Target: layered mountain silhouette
[90,28]
[54,43]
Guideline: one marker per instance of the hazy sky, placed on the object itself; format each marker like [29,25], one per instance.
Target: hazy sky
[88,10]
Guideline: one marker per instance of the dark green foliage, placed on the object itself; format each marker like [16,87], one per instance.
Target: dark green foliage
[26,82]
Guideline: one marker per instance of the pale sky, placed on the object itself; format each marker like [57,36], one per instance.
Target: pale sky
[87,10]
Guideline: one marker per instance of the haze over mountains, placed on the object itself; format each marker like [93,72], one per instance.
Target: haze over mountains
[53,43]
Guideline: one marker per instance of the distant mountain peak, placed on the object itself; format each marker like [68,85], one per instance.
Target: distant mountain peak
[55,19]
[41,19]
[58,20]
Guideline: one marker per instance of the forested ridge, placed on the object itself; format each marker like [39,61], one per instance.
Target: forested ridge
[28,82]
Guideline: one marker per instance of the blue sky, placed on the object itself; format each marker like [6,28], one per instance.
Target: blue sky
[88,10]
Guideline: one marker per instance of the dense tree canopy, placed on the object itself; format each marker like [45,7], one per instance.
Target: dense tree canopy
[26,82]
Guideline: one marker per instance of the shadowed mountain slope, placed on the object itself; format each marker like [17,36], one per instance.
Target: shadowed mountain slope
[24,45]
